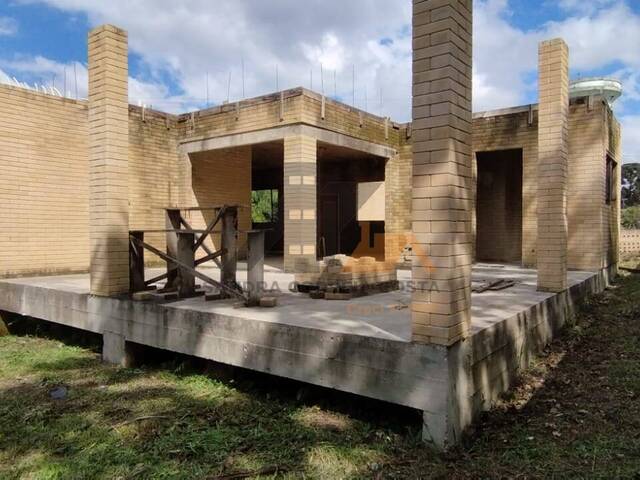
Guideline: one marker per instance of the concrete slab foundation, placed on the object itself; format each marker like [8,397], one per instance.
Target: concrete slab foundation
[361,346]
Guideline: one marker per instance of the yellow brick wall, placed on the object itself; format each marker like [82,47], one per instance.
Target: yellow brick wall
[506,132]
[217,178]
[153,174]
[347,120]
[398,172]
[44,184]
[44,192]
[255,114]
[592,227]
[298,106]
[586,199]
[612,213]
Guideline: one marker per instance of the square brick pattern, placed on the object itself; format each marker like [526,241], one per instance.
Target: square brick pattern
[108,161]
[442,170]
[300,202]
[553,165]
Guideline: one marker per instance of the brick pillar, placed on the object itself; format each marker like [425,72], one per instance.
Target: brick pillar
[553,166]
[442,170]
[300,202]
[397,225]
[108,160]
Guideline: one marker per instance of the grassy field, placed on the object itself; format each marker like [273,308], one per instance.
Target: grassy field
[575,414]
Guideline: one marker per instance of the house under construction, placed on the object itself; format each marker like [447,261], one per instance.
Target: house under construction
[468,238]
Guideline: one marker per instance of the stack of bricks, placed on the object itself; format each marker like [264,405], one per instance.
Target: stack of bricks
[553,166]
[108,161]
[355,274]
[300,204]
[442,170]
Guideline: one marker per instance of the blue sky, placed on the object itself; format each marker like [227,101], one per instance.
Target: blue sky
[177,48]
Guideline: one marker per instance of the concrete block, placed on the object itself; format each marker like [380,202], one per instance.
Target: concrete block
[115,350]
[268,302]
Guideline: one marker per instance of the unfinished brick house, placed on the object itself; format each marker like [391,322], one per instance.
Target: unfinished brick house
[529,190]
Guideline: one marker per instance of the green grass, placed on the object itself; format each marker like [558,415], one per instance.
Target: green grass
[575,414]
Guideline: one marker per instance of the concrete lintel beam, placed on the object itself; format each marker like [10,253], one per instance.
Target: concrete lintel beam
[280,133]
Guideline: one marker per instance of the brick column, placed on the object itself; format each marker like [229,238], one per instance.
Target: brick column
[442,174]
[397,225]
[553,166]
[300,202]
[108,161]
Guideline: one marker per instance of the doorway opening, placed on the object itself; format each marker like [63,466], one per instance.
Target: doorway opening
[499,206]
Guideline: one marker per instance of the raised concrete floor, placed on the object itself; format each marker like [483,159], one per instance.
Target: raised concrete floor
[360,346]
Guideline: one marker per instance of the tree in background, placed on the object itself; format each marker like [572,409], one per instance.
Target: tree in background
[264,206]
[631,217]
[631,185]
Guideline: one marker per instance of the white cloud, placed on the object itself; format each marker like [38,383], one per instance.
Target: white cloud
[597,40]
[189,39]
[8,26]
[71,79]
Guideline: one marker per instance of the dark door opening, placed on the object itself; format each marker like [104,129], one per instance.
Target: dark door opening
[329,218]
[499,206]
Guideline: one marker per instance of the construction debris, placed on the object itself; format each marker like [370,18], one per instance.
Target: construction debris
[495,285]
[268,302]
[342,274]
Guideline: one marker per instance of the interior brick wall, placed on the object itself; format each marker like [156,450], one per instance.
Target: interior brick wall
[153,174]
[216,178]
[514,131]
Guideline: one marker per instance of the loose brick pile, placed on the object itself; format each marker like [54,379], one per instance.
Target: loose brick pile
[347,274]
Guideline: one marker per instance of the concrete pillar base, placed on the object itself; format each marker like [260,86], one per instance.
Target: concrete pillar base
[116,350]
[435,431]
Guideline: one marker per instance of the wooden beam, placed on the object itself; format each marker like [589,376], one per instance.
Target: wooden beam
[207,250]
[210,228]
[212,256]
[196,273]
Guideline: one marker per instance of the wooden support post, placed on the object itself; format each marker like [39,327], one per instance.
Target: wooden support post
[229,243]
[255,266]
[136,263]
[186,255]
[172,222]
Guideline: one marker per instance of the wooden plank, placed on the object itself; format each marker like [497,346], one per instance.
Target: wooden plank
[213,256]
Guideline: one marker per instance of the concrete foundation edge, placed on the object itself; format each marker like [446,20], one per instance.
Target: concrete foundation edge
[487,363]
